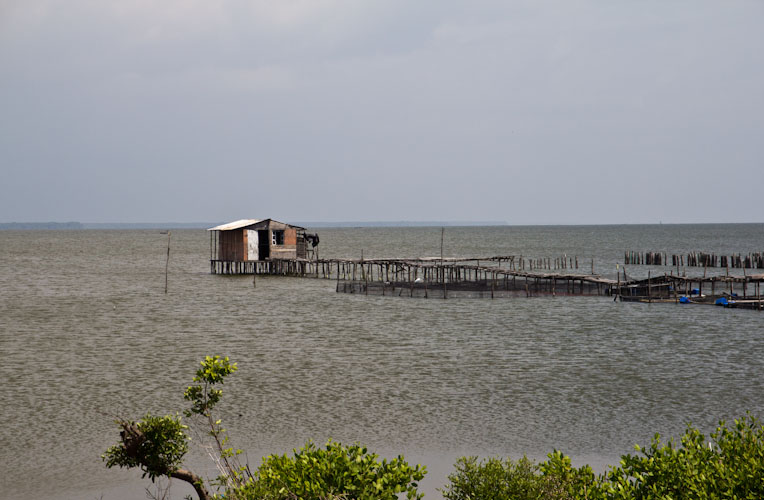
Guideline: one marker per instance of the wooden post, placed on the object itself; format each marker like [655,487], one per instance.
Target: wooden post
[167,262]
[445,288]
[442,232]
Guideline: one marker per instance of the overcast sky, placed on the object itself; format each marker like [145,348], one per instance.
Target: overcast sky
[531,112]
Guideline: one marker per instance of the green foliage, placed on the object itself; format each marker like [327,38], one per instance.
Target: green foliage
[494,479]
[203,397]
[497,479]
[564,481]
[156,445]
[335,471]
[730,465]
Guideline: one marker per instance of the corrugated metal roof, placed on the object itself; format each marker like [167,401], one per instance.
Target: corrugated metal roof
[235,225]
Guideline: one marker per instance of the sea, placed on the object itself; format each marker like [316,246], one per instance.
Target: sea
[88,335]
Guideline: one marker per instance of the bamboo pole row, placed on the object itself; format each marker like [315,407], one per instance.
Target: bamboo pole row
[752,260]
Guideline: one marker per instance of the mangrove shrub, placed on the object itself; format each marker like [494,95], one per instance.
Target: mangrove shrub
[347,472]
[157,446]
[727,465]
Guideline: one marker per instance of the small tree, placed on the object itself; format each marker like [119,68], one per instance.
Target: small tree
[157,445]
[204,397]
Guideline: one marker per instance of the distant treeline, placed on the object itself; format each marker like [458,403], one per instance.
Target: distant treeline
[149,225]
[106,225]
[399,224]
[205,225]
[41,225]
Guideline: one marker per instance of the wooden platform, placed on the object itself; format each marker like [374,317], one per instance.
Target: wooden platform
[500,276]
[484,276]
[743,292]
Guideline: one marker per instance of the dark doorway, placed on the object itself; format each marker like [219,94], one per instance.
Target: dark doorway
[263,244]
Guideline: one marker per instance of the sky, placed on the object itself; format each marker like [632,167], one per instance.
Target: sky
[529,112]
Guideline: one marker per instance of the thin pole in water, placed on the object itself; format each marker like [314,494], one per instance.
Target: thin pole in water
[442,232]
[167,262]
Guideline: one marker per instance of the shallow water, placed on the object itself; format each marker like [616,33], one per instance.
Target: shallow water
[87,332]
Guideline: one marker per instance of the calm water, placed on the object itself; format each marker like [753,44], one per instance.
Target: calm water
[86,332]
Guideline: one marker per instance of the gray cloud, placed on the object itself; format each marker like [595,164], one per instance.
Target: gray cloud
[530,112]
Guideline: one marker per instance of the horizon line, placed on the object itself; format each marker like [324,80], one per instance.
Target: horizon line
[74,225]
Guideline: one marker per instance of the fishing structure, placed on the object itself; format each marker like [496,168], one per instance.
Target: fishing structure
[276,248]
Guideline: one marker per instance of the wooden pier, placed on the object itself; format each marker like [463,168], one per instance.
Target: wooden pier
[503,276]
[743,292]
[328,268]
[497,276]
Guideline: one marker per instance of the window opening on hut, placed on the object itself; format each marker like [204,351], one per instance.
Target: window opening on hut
[278,237]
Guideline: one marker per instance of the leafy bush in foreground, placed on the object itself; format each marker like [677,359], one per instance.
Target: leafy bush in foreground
[157,446]
[335,471]
[493,478]
[729,466]
[498,479]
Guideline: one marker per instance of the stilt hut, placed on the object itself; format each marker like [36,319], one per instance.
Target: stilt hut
[248,240]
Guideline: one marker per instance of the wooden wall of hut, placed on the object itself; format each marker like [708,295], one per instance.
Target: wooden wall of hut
[231,245]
